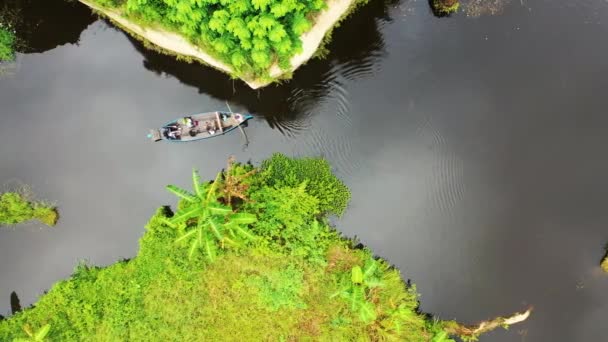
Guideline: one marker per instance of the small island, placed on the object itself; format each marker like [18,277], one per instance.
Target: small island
[250,256]
[258,41]
[19,207]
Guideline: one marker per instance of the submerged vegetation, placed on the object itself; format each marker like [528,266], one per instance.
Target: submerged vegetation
[249,257]
[18,207]
[250,36]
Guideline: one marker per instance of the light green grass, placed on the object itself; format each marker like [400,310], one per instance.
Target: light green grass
[288,276]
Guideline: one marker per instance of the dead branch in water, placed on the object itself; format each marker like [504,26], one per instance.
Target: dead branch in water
[471,332]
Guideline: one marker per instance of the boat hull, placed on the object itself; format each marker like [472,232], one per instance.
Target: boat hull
[199,126]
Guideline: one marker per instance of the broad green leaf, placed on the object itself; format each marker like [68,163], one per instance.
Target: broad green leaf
[21,339]
[342,292]
[196,181]
[167,222]
[209,249]
[367,312]
[185,236]
[245,233]
[218,209]
[215,228]
[373,282]
[41,334]
[214,186]
[369,270]
[356,275]
[187,213]
[230,241]
[243,218]
[193,248]
[181,193]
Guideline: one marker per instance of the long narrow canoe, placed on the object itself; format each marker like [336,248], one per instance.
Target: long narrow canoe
[199,126]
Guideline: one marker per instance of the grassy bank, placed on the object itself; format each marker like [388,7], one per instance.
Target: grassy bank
[247,257]
[18,207]
[259,41]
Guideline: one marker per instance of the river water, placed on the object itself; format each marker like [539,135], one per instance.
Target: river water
[475,148]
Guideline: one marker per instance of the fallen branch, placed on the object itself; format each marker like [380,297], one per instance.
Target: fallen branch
[471,332]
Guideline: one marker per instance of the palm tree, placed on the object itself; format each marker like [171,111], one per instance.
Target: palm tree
[205,221]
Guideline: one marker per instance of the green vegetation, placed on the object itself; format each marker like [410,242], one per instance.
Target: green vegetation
[263,265]
[7,43]
[445,7]
[247,257]
[250,36]
[17,207]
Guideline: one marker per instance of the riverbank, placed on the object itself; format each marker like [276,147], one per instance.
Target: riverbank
[249,256]
[176,44]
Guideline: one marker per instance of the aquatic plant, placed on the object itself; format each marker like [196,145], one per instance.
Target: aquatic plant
[445,7]
[16,207]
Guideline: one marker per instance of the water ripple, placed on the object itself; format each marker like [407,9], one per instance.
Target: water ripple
[446,183]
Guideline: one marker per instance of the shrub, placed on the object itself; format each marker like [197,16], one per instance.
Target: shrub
[7,43]
[281,171]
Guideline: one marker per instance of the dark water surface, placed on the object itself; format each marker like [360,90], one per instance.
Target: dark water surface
[475,149]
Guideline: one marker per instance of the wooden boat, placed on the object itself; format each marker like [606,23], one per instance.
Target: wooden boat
[199,126]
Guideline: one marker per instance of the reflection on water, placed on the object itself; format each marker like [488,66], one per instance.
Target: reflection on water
[15,303]
[356,51]
[44,25]
[473,149]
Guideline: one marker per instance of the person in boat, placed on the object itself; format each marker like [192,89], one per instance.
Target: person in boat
[172,127]
[175,135]
[188,122]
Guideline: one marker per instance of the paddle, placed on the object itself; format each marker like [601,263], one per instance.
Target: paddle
[240,128]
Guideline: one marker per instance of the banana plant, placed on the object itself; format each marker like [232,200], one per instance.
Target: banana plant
[204,222]
[358,290]
[37,336]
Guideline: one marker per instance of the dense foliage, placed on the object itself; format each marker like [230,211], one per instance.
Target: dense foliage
[287,276]
[249,35]
[16,208]
[7,43]
[445,7]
